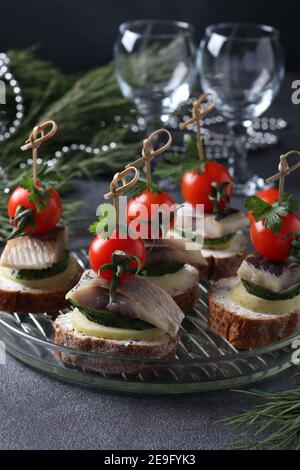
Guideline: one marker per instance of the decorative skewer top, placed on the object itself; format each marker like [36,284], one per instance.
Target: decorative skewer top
[284,170]
[148,153]
[199,113]
[36,138]
[116,190]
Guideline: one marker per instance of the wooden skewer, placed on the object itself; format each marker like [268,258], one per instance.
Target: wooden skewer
[284,170]
[198,114]
[117,190]
[36,138]
[148,153]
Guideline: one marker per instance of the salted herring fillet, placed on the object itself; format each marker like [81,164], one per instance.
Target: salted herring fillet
[213,225]
[269,275]
[35,251]
[172,249]
[136,298]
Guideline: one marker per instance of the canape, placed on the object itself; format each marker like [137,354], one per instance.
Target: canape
[262,304]
[116,312]
[207,186]
[169,262]
[36,268]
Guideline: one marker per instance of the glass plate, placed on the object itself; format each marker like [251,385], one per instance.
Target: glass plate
[204,360]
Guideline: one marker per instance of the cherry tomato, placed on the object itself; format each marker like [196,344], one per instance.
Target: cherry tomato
[274,246]
[268,195]
[101,250]
[44,220]
[142,207]
[196,187]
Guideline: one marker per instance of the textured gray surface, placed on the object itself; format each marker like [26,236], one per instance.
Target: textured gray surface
[38,412]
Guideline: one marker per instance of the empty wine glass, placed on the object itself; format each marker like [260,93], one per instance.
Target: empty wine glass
[243,64]
[155,66]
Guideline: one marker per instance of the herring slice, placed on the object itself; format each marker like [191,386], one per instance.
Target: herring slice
[210,225]
[35,251]
[174,249]
[275,277]
[136,298]
[224,223]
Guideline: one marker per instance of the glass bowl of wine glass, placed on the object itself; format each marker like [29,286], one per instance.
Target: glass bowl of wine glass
[243,64]
[155,64]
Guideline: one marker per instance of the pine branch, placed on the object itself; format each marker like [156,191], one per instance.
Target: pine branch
[175,165]
[275,422]
[88,110]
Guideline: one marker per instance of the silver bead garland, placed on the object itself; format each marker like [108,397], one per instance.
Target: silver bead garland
[8,129]
[218,143]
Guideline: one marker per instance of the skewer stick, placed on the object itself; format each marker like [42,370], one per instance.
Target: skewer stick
[148,153]
[284,170]
[35,140]
[198,114]
[117,190]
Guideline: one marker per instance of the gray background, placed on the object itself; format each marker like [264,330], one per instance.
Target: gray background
[38,412]
[78,34]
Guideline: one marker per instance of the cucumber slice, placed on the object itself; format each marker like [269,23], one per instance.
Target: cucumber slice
[269,295]
[215,242]
[161,270]
[35,274]
[106,318]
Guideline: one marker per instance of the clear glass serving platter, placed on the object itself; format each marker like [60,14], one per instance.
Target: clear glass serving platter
[204,360]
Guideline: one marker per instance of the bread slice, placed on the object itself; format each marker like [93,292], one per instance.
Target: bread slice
[182,286]
[244,328]
[224,263]
[23,299]
[164,347]
[187,299]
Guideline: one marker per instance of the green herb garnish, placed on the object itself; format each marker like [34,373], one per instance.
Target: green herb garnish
[120,264]
[175,165]
[23,218]
[219,193]
[272,213]
[140,187]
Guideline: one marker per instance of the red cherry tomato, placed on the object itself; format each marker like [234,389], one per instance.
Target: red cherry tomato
[196,187]
[44,220]
[101,250]
[268,195]
[142,207]
[274,246]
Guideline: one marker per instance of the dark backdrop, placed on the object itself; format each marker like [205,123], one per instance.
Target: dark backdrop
[78,34]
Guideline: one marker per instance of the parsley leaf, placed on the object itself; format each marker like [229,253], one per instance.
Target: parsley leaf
[23,218]
[102,226]
[140,187]
[272,213]
[48,176]
[175,165]
[219,192]
[39,195]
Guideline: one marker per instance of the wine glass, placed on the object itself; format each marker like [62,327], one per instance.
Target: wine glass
[243,64]
[155,64]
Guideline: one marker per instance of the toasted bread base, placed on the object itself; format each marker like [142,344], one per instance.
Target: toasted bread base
[186,300]
[242,328]
[21,299]
[224,264]
[184,291]
[163,347]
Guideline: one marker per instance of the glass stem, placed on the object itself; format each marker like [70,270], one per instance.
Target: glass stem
[240,169]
